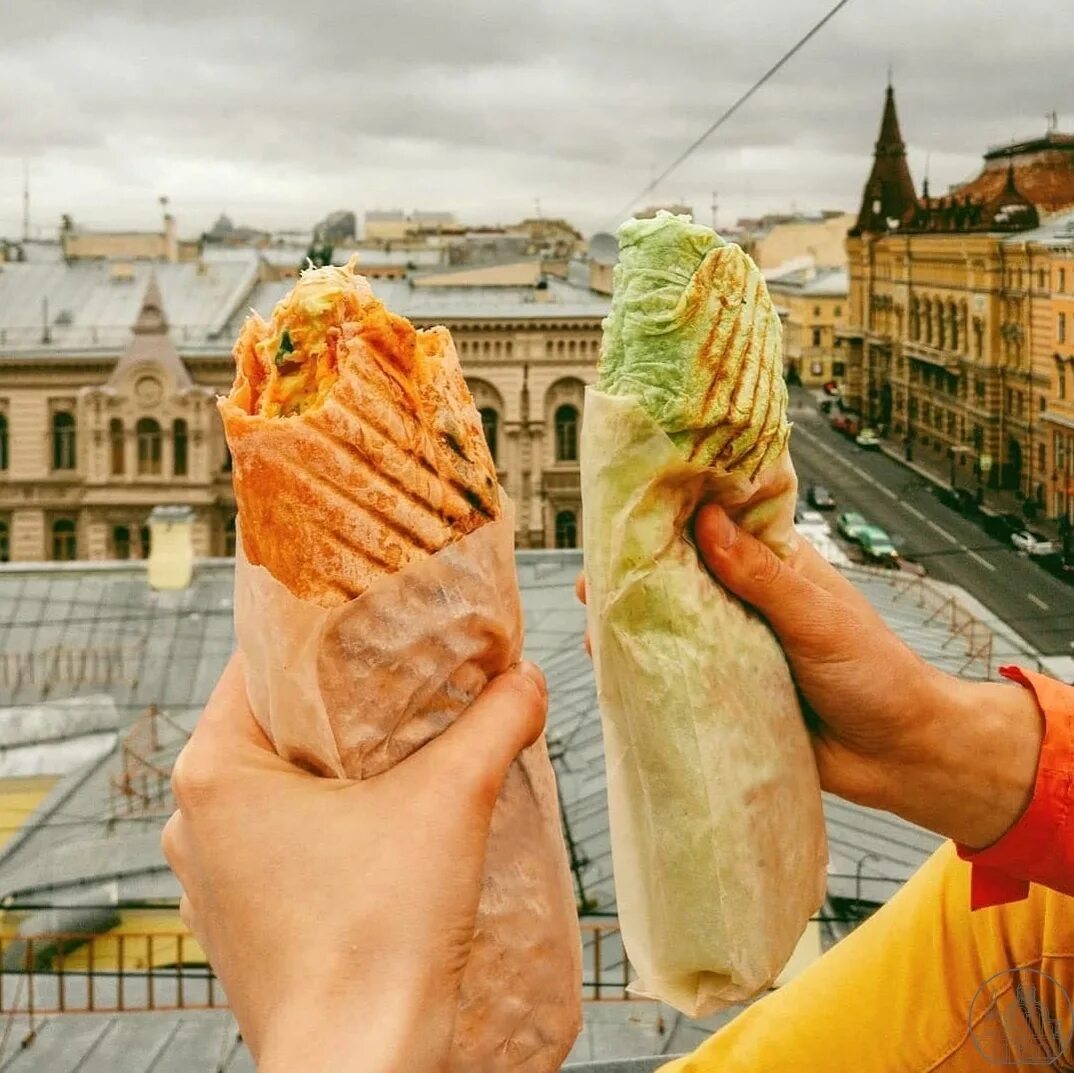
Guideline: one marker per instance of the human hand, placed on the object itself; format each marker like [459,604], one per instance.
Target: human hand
[889,730]
[338,914]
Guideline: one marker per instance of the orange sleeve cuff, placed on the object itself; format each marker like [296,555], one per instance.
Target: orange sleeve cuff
[1039,848]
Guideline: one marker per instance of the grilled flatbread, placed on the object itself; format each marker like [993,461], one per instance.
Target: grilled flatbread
[354,440]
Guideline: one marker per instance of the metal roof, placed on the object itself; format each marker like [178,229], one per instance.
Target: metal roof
[1057,230]
[93,304]
[92,628]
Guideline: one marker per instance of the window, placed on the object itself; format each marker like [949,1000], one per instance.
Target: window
[1061,377]
[121,542]
[838,311]
[1042,457]
[229,538]
[1061,328]
[1040,278]
[64,541]
[816,336]
[179,445]
[3,443]
[816,311]
[566,421]
[839,368]
[5,543]
[116,446]
[490,421]
[566,529]
[1062,279]
[63,440]
[149,447]
[146,540]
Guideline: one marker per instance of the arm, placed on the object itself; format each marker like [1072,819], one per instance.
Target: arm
[892,732]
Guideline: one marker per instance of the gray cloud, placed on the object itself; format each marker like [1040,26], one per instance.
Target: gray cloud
[279,111]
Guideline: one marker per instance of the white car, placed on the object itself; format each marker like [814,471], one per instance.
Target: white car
[1033,543]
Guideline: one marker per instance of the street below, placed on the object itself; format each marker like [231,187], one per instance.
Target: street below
[951,547]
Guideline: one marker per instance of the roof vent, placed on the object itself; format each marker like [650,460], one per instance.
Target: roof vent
[64,317]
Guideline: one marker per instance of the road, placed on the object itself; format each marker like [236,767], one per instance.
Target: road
[950,547]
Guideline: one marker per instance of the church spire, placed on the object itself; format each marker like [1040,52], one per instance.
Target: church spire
[889,192]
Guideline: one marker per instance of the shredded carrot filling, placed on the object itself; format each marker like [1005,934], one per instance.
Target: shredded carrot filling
[298,348]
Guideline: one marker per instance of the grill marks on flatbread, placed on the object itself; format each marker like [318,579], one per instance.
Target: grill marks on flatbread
[384,464]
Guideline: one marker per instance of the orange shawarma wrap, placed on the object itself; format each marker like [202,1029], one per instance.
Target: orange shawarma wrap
[375,596]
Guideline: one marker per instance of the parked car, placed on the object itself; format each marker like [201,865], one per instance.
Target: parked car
[1033,543]
[959,499]
[868,439]
[820,497]
[850,523]
[877,545]
[804,516]
[1003,526]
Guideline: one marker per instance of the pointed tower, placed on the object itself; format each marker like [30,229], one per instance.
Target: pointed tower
[150,343]
[889,193]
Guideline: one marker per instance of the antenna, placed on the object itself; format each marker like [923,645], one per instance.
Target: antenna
[891,74]
[1052,119]
[25,201]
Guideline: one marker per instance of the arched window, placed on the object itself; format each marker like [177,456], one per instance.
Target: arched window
[490,426]
[117,447]
[121,542]
[63,440]
[952,316]
[3,443]
[5,543]
[150,451]
[179,445]
[229,537]
[566,529]
[64,541]
[566,422]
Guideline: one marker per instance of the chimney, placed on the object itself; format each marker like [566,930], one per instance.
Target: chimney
[171,241]
[171,547]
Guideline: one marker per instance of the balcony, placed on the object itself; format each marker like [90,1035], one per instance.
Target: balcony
[933,355]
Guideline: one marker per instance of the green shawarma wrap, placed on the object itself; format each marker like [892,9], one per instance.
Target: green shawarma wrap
[718,836]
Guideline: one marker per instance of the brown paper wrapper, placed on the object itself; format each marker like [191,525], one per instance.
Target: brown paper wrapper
[352,690]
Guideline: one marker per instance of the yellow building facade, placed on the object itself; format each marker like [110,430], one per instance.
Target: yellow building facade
[951,325]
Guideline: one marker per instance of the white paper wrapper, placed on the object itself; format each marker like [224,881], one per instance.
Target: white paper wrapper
[353,690]
[718,837]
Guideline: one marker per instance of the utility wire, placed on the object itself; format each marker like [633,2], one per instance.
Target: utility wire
[694,145]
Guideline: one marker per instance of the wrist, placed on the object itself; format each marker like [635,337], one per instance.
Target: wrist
[386,1034]
[978,762]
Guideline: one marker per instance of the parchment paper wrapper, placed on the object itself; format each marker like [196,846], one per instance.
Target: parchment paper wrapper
[718,837]
[352,690]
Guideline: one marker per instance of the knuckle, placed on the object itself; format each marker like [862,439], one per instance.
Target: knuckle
[764,567]
[170,840]
[196,779]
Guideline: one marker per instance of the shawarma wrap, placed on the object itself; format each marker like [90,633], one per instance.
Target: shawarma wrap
[718,836]
[375,596]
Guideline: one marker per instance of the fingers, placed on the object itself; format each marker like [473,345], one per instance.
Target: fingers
[480,746]
[753,572]
[579,587]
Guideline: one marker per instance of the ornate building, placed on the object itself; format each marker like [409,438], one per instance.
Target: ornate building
[950,305]
[107,402]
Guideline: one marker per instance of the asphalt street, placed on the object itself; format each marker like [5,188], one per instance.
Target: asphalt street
[950,547]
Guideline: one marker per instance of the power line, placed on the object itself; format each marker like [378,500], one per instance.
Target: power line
[693,146]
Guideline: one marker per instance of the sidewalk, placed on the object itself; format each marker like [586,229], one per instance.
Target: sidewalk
[936,468]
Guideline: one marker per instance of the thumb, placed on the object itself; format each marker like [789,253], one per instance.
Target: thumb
[753,571]
[477,750]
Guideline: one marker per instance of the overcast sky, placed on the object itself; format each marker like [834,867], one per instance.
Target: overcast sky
[279,111]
